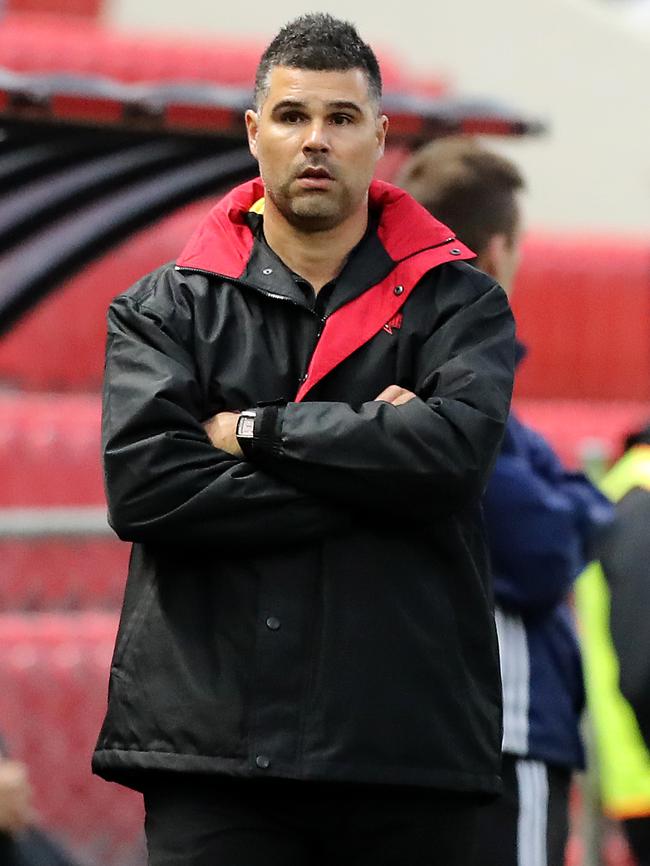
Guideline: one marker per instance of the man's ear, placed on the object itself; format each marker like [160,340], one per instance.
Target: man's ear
[382,129]
[252,125]
[490,259]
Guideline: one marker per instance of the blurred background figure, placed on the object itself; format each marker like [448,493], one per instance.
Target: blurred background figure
[21,843]
[15,806]
[613,603]
[541,520]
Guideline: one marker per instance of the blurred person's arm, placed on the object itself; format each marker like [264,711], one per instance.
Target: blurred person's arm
[540,521]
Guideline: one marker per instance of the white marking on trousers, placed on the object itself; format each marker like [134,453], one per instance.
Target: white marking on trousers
[532,781]
[515,677]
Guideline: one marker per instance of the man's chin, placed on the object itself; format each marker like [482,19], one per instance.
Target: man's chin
[313,216]
[309,212]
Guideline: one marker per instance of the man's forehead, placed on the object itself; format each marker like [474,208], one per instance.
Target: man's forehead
[330,86]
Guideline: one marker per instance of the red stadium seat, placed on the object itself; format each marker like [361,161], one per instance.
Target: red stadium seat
[49,450]
[64,574]
[583,307]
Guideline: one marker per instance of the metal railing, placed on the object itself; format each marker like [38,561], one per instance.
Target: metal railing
[44,522]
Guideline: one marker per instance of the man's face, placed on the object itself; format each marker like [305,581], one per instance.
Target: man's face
[317,137]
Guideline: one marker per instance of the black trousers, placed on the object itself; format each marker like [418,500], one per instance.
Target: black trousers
[274,823]
[529,824]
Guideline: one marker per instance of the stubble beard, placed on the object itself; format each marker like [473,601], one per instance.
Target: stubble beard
[309,212]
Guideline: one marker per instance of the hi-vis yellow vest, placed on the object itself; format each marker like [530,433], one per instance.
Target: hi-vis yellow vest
[622,757]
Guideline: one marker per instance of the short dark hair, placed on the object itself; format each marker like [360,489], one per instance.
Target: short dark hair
[466,186]
[320,42]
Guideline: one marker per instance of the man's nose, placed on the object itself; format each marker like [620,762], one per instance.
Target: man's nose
[316,140]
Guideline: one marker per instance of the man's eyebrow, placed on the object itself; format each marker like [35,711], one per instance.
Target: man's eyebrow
[344,104]
[335,105]
[288,103]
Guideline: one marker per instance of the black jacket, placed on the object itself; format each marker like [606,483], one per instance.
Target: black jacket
[321,609]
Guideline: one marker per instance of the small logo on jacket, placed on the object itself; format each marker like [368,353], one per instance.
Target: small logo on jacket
[395,322]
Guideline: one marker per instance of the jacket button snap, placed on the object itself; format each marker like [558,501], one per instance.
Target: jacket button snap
[455,251]
[398,290]
[273,623]
[262,762]
[267,271]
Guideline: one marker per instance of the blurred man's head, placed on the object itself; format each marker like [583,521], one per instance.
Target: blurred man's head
[476,193]
[317,131]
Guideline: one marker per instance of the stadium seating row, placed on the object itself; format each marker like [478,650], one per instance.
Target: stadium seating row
[582,305]
[62,574]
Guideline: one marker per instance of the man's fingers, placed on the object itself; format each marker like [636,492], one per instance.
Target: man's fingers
[389,394]
[404,397]
[395,395]
[221,432]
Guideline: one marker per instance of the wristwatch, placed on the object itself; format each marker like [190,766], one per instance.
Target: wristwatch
[246,424]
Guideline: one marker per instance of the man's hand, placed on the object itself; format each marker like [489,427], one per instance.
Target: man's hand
[395,395]
[15,797]
[221,430]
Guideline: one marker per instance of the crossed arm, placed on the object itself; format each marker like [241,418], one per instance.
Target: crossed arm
[172,478]
[222,426]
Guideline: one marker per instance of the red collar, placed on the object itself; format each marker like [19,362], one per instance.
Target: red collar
[223,242]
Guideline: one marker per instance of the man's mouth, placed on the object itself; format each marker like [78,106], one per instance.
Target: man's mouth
[315,179]
[318,173]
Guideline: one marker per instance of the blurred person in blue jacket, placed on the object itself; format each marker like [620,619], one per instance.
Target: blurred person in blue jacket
[541,520]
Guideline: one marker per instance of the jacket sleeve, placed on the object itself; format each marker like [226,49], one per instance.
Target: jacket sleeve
[427,456]
[540,521]
[165,481]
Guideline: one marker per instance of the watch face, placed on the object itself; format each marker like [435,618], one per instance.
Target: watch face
[245,426]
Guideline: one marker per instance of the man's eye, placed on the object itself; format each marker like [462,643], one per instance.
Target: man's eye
[341,119]
[292,117]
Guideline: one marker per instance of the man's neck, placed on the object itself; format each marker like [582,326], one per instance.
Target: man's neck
[318,257]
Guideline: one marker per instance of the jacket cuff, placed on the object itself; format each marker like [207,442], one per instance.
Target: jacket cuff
[266,432]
